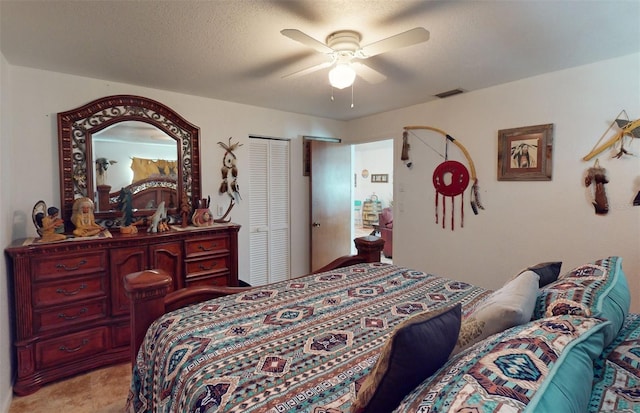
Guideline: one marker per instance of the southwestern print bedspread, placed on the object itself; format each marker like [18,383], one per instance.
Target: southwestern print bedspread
[301,345]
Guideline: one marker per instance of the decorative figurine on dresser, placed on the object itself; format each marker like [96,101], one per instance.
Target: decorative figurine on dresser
[71,309]
[49,225]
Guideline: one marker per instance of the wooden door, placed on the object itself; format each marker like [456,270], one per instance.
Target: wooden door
[330,202]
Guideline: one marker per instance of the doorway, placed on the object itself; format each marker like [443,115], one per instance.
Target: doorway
[372,172]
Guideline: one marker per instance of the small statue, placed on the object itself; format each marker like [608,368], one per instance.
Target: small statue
[51,226]
[158,220]
[83,219]
[125,205]
[202,217]
[185,211]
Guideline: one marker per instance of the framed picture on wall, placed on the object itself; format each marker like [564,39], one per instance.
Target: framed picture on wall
[380,178]
[525,154]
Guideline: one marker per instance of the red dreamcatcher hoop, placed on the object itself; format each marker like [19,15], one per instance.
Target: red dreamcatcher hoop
[450,179]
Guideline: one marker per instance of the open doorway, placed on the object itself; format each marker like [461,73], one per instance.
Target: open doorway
[372,171]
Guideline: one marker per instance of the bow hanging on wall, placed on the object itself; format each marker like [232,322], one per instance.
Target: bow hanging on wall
[450,178]
[628,129]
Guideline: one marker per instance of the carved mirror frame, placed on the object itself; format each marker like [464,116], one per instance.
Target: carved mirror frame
[76,127]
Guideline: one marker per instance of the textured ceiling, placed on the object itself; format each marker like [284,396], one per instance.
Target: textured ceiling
[233,50]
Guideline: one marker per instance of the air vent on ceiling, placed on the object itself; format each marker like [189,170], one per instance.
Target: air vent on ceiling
[449,93]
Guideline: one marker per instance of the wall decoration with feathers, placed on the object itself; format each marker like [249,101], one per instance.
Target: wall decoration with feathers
[229,170]
[450,178]
[627,131]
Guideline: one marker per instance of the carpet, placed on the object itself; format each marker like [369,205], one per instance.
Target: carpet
[100,391]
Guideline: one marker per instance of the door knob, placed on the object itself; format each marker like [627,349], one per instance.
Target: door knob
[316,224]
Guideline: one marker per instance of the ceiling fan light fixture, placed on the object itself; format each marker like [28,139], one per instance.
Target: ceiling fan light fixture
[342,76]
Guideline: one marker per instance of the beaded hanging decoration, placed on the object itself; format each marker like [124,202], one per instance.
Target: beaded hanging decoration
[450,179]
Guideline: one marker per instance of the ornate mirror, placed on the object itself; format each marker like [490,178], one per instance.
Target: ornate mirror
[130,142]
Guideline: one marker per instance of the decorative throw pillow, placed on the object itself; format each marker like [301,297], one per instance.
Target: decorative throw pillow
[416,349]
[548,271]
[543,366]
[595,289]
[509,306]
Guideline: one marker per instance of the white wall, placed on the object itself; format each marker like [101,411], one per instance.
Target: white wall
[6,300]
[524,222]
[377,158]
[30,142]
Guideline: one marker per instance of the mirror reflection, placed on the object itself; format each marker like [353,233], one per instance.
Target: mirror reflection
[136,156]
[89,165]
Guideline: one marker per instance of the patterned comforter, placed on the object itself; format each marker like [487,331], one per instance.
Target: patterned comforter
[301,345]
[617,372]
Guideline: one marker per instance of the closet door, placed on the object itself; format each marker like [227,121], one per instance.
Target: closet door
[269,211]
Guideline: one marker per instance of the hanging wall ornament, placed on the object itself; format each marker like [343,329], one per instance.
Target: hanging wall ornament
[596,175]
[440,176]
[450,179]
[229,170]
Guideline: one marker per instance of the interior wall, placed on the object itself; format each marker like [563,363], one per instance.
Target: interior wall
[376,158]
[5,237]
[524,222]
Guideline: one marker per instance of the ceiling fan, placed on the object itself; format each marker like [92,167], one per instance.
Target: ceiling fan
[344,50]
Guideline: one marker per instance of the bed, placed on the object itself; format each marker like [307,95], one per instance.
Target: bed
[147,193]
[363,336]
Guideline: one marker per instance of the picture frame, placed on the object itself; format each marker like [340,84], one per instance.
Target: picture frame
[525,153]
[379,178]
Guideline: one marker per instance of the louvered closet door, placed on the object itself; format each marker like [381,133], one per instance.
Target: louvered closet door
[269,211]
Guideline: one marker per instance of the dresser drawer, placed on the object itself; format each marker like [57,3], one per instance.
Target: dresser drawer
[219,279]
[63,317]
[58,266]
[67,291]
[197,268]
[72,347]
[205,246]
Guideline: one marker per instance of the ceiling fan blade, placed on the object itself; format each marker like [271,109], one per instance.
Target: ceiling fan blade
[408,38]
[298,36]
[367,73]
[308,70]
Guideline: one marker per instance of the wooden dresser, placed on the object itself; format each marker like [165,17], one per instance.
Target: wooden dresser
[71,311]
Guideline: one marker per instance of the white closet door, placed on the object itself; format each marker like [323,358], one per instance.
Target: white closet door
[269,211]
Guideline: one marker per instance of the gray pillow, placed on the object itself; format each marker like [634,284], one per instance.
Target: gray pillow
[507,307]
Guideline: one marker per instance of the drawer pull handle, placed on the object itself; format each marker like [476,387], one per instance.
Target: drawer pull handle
[202,267]
[203,248]
[64,266]
[73,350]
[74,292]
[73,317]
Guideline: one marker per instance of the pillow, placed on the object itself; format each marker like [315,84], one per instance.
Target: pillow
[548,271]
[509,306]
[416,349]
[596,289]
[545,365]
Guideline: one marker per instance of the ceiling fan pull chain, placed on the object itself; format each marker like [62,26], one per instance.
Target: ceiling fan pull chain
[332,94]
[352,95]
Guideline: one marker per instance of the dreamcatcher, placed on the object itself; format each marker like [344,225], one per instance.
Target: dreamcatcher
[450,178]
[229,172]
[596,174]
